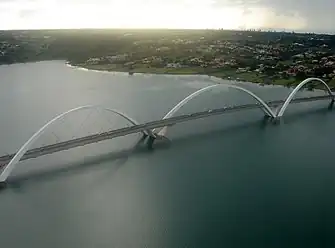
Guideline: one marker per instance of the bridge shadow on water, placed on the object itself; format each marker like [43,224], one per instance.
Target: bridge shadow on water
[306,114]
[115,160]
[262,124]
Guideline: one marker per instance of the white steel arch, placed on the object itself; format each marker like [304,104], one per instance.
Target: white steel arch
[281,111]
[267,110]
[11,165]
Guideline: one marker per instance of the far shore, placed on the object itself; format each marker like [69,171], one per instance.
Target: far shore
[251,77]
[232,75]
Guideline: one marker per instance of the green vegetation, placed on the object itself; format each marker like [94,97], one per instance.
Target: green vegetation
[225,74]
[260,57]
[145,69]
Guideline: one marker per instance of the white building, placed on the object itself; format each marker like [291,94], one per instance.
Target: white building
[173,65]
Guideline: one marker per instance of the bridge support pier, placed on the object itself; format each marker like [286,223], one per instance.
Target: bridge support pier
[276,120]
[150,142]
[159,139]
[3,185]
[144,136]
[270,119]
[331,104]
[266,117]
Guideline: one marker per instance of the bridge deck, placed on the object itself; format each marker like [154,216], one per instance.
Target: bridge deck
[66,145]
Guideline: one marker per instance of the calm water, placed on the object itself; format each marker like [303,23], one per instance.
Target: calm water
[229,181]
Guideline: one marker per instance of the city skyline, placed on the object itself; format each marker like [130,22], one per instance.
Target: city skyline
[299,15]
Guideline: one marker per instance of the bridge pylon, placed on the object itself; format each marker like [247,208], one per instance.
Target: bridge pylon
[150,141]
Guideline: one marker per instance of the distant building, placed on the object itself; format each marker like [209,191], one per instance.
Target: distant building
[330,63]
[119,57]
[298,56]
[298,44]
[163,49]
[174,65]
[241,70]
[93,61]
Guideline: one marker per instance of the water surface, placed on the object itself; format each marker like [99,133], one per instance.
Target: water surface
[229,181]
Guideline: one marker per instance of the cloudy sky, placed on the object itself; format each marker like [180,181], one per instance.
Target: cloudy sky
[299,15]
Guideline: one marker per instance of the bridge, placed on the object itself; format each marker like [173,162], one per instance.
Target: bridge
[273,110]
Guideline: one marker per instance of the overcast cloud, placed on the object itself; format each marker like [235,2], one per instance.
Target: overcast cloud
[318,14]
[300,15]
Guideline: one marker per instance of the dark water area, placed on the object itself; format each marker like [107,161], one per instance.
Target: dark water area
[228,181]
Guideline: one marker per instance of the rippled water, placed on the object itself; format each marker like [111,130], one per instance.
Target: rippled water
[228,181]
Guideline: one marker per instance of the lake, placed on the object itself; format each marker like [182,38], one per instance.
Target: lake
[226,181]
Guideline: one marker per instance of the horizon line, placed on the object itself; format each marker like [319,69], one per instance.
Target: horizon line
[175,29]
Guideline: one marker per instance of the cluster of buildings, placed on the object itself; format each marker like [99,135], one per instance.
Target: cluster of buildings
[6,47]
[274,55]
[108,59]
[278,59]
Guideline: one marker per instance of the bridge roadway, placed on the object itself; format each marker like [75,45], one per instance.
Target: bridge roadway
[66,145]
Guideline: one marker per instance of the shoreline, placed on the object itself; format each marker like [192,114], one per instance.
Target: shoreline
[231,75]
[290,83]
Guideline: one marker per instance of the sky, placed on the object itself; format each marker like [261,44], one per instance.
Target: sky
[298,15]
